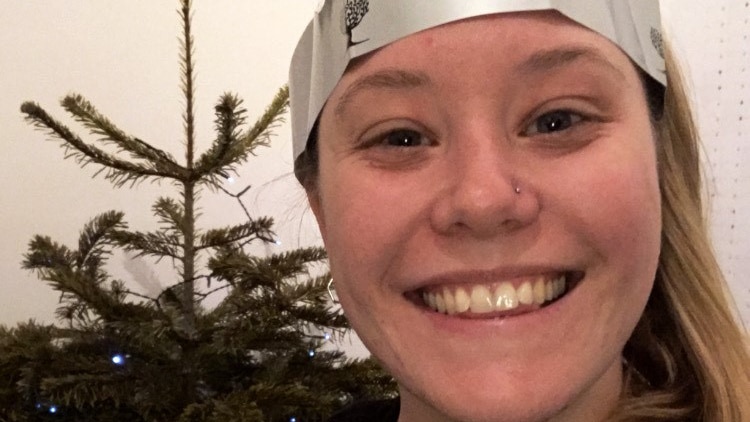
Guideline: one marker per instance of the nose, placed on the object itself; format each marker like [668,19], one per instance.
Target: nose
[484,193]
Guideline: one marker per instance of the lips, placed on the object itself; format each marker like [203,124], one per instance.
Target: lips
[499,298]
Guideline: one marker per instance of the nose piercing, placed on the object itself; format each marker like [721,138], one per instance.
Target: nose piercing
[517,190]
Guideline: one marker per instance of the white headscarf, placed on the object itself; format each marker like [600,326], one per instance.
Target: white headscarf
[345,29]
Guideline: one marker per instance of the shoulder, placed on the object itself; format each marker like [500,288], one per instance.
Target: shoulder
[373,411]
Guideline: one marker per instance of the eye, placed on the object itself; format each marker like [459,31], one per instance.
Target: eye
[403,138]
[554,121]
[398,146]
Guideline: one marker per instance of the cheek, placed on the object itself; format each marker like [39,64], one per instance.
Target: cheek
[366,234]
[366,224]
[630,203]
[614,205]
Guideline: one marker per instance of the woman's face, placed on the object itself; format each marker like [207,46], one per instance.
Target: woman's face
[450,276]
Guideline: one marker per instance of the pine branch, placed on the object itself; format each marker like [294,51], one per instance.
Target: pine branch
[219,158]
[246,333]
[76,312]
[207,294]
[238,269]
[85,113]
[311,303]
[290,263]
[247,272]
[157,244]
[171,214]
[84,390]
[231,148]
[93,238]
[187,80]
[83,297]
[261,131]
[326,318]
[314,291]
[47,255]
[365,379]
[255,229]
[118,172]
[233,408]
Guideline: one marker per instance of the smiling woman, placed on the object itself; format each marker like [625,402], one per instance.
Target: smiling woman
[510,202]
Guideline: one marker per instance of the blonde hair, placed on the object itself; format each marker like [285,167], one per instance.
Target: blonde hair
[688,359]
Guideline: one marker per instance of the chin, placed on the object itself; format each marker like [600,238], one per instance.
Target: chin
[559,360]
[496,396]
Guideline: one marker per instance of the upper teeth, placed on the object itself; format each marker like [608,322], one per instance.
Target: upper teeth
[482,298]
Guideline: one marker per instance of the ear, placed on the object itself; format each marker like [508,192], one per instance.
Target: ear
[313,198]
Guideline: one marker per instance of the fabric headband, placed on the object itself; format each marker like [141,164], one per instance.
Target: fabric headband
[345,29]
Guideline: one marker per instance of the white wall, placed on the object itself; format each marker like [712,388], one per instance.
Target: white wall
[122,56]
[713,40]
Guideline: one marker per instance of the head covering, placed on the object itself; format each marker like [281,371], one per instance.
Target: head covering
[345,29]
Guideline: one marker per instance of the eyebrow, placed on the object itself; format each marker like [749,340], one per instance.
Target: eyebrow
[389,79]
[550,60]
[539,62]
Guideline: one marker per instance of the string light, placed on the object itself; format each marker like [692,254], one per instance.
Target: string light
[51,408]
[277,242]
[327,336]
[118,360]
[292,419]
[311,353]
[230,179]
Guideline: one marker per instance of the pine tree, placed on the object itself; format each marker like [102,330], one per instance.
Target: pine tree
[117,355]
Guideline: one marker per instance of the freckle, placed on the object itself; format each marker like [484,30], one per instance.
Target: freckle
[428,41]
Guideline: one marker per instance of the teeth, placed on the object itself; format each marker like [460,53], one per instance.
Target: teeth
[505,297]
[431,300]
[549,290]
[463,301]
[557,286]
[540,291]
[440,303]
[481,299]
[450,302]
[526,294]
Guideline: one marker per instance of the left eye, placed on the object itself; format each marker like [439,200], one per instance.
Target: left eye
[554,121]
[404,138]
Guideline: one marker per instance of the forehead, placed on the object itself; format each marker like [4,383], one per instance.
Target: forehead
[526,42]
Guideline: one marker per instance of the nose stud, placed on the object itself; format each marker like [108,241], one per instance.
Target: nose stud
[517,190]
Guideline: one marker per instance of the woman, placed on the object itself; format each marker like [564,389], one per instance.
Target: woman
[512,211]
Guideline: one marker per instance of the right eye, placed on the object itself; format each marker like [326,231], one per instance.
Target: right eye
[397,146]
[403,138]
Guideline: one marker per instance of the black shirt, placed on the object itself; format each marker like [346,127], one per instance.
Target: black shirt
[377,411]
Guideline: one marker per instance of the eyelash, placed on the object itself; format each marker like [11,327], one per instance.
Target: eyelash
[403,138]
[398,134]
[566,119]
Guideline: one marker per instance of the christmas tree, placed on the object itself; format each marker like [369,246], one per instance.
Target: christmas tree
[263,353]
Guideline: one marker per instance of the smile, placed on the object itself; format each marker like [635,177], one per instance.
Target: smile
[504,298]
